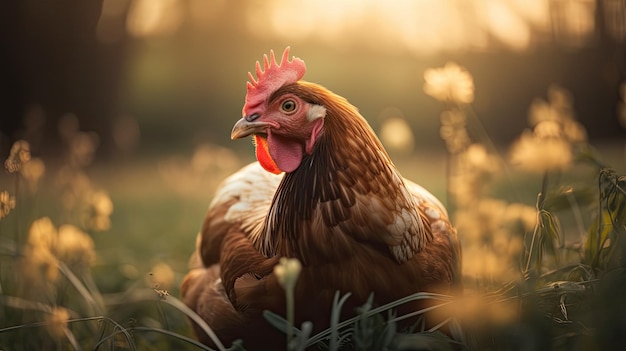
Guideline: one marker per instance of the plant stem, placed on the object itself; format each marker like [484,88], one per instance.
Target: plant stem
[450,173]
[18,211]
[290,314]
[544,190]
[540,201]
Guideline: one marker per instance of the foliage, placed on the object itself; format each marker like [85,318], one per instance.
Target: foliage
[604,249]
[49,293]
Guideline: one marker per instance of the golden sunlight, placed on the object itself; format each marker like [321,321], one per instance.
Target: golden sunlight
[396,134]
[424,26]
[419,27]
[148,18]
[505,24]
[573,20]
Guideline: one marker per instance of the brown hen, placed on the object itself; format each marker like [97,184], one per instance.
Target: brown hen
[325,192]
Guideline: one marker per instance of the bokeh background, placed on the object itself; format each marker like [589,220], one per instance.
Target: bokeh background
[171,73]
[142,94]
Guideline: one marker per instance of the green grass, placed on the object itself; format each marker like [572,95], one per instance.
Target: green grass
[116,303]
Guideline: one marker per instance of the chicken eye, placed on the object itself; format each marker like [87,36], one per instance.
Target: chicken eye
[288,106]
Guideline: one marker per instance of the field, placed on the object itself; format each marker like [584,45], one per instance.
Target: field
[93,251]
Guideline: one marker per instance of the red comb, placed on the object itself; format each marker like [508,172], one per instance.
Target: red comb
[270,78]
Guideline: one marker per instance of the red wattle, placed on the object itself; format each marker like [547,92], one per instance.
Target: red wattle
[286,153]
[263,155]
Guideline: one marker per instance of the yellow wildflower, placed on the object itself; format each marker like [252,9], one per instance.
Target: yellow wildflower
[101,203]
[57,322]
[548,129]
[466,188]
[287,271]
[574,131]
[162,275]
[548,146]
[75,247]
[32,171]
[19,154]
[42,233]
[450,83]
[7,203]
[38,253]
[453,130]
[37,263]
[479,158]
[535,153]
[540,110]
[100,209]
[558,109]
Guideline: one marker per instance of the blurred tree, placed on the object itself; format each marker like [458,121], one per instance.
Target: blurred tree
[50,58]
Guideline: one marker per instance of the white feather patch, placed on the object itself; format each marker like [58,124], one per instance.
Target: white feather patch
[420,195]
[315,112]
[254,189]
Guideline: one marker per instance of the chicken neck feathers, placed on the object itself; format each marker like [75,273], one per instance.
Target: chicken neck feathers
[346,192]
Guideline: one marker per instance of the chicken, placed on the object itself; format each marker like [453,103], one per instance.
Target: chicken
[324,191]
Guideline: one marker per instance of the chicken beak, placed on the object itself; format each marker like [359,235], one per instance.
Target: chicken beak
[244,128]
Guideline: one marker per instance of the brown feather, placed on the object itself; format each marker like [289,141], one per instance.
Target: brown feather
[347,156]
[346,213]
